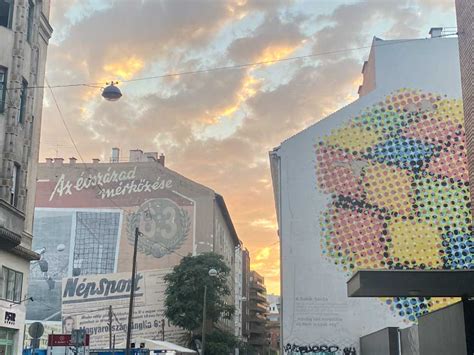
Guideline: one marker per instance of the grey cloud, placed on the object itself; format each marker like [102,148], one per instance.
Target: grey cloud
[234,165]
[442,4]
[272,32]
[348,25]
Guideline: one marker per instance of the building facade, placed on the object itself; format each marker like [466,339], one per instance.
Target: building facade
[382,183]
[465,19]
[238,293]
[273,323]
[24,36]
[86,216]
[245,294]
[257,313]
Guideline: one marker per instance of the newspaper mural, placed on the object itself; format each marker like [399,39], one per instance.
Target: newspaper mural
[85,225]
[96,293]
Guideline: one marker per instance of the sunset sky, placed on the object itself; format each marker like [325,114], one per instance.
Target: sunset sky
[215,127]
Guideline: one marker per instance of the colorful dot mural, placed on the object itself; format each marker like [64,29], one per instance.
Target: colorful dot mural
[397,177]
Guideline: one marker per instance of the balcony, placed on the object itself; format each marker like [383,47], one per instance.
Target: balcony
[258,341]
[257,296]
[257,307]
[9,239]
[256,328]
[257,318]
[258,286]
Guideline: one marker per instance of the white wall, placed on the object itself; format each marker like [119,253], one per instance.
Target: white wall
[316,309]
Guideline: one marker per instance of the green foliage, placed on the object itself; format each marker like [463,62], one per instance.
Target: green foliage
[185,291]
[220,342]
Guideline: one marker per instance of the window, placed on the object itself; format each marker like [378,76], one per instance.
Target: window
[11,285]
[22,112]
[3,87]
[15,185]
[31,17]
[6,13]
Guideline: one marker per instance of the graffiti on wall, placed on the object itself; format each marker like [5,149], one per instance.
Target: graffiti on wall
[296,349]
[398,181]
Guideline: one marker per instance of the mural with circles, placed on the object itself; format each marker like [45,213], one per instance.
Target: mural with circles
[398,181]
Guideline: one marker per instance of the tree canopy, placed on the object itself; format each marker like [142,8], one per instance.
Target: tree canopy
[185,291]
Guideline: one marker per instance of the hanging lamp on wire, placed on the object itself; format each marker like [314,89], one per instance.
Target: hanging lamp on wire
[111,92]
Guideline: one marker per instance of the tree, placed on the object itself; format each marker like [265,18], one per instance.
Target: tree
[220,342]
[185,291]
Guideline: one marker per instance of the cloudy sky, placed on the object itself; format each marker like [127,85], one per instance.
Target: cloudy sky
[215,127]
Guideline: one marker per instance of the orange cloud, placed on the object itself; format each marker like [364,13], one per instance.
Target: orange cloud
[250,86]
[265,223]
[275,52]
[124,69]
[267,263]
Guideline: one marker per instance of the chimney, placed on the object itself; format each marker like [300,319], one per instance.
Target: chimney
[162,159]
[72,161]
[58,161]
[95,161]
[436,32]
[136,155]
[115,155]
[49,161]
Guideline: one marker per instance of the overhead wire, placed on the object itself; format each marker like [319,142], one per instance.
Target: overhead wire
[199,71]
[234,66]
[87,168]
[124,328]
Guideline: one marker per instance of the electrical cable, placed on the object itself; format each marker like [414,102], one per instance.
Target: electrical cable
[236,66]
[86,168]
[119,322]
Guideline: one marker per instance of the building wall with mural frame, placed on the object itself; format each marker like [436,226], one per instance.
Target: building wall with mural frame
[86,216]
[381,183]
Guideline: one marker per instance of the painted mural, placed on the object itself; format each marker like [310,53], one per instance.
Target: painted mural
[85,223]
[398,184]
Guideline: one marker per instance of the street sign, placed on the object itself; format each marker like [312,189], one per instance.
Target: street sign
[64,340]
[34,343]
[36,330]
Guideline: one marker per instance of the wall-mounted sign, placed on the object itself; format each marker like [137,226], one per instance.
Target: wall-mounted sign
[10,318]
[64,340]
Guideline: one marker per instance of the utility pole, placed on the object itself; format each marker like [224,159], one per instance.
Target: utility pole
[212,273]
[204,322]
[132,291]
[163,329]
[110,327]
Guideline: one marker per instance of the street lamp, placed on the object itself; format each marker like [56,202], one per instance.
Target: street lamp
[212,273]
[112,92]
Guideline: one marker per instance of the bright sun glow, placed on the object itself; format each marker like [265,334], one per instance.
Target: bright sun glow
[275,53]
[124,69]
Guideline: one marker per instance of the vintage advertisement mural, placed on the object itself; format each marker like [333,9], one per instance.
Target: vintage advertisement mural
[380,184]
[96,293]
[85,223]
